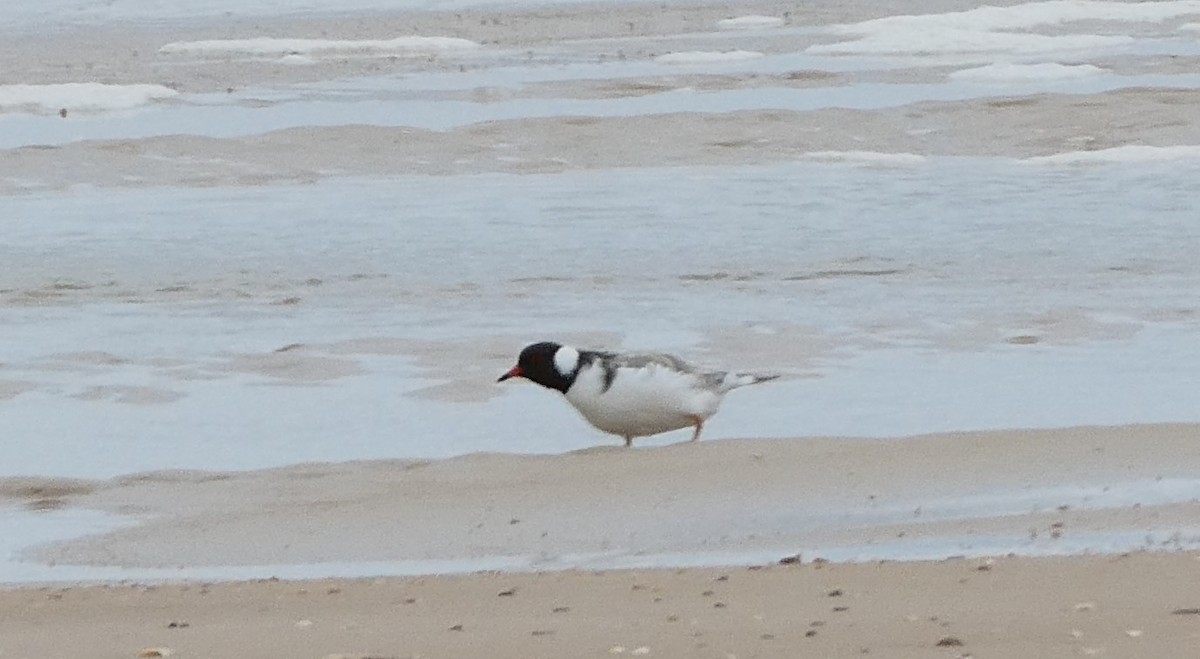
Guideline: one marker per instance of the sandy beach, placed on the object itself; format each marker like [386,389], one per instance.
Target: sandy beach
[263,269]
[1137,605]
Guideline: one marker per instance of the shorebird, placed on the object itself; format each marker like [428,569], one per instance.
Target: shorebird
[630,394]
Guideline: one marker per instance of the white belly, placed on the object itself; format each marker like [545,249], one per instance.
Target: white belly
[641,401]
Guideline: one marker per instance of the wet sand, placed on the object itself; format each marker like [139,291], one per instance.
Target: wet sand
[1072,490]
[1139,605]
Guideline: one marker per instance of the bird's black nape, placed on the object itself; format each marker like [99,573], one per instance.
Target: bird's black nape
[536,363]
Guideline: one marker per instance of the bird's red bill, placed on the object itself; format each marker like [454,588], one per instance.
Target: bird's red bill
[514,372]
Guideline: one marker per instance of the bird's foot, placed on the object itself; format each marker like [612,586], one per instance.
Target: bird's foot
[699,427]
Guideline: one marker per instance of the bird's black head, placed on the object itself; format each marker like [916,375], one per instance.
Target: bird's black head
[549,364]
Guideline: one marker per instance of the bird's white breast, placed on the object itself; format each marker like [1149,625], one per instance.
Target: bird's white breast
[641,401]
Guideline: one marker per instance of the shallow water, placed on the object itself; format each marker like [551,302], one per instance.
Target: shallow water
[1003,294]
[413,101]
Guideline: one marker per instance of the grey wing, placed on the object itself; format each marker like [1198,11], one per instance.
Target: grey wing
[611,361]
[640,359]
[703,379]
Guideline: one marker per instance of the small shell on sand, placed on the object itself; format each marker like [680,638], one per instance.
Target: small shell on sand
[149,653]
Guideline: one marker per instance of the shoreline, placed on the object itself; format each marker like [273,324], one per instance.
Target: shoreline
[1032,492]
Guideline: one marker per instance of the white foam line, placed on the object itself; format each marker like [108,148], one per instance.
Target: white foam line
[995,29]
[751,22]
[866,158]
[271,46]
[81,96]
[1008,72]
[938,41]
[1032,14]
[705,56]
[1127,153]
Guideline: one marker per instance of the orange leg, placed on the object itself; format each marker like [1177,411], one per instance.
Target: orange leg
[699,426]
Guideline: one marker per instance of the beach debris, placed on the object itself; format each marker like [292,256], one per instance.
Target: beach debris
[672,618]
[178,624]
[617,649]
[1085,606]
[542,632]
[303,624]
[949,642]
[560,609]
[151,653]
[507,593]
[641,651]
[1075,633]
[839,609]
[723,577]
[456,628]
[718,605]
[707,593]
[1091,652]
[1133,633]
[810,633]
[791,560]
[1186,612]
[836,592]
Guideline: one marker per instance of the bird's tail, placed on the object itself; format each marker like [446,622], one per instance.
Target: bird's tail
[735,380]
